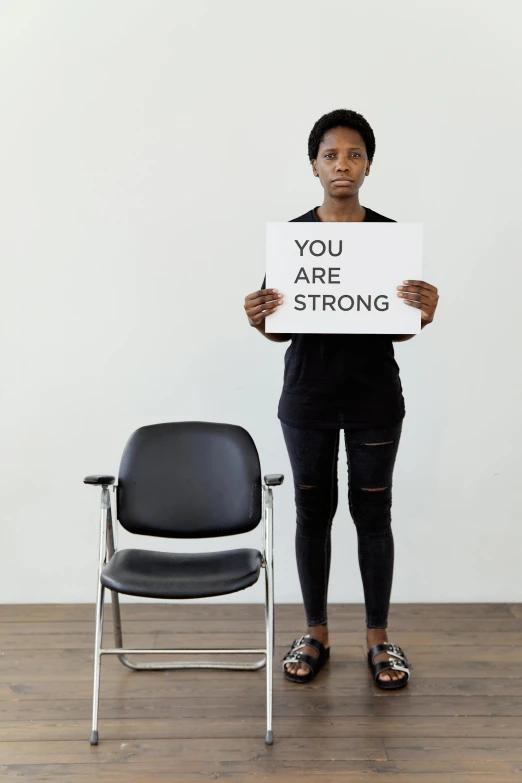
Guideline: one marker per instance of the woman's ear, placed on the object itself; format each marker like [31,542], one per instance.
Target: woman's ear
[368,167]
[314,169]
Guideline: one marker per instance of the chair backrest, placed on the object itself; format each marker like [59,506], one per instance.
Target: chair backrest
[190,480]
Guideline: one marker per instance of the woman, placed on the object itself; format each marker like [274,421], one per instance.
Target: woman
[347,382]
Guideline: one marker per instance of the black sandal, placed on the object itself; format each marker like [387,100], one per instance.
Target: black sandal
[397,662]
[314,663]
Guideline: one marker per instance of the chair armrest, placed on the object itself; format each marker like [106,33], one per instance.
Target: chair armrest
[274,479]
[99,479]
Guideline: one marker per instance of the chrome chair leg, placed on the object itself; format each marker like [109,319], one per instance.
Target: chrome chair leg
[105,515]
[269,619]
[269,606]
[97,662]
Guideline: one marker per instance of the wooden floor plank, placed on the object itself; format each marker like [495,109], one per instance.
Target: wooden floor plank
[267,769]
[158,686]
[276,772]
[458,748]
[192,749]
[229,725]
[289,703]
[59,636]
[464,663]
[287,628]
[198,611]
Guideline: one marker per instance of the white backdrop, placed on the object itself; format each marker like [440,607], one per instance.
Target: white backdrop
[145,143]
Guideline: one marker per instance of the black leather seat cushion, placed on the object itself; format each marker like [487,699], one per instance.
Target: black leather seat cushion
[168,575]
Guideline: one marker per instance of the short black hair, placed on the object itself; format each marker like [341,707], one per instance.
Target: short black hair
[345,118]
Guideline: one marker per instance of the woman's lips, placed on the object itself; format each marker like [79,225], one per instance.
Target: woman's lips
[343,182]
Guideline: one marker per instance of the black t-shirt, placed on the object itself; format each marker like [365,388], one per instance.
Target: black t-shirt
[335,381]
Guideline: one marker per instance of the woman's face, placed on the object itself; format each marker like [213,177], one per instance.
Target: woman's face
[342,162]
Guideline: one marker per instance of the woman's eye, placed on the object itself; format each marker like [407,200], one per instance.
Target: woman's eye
[356,154]
[329,155]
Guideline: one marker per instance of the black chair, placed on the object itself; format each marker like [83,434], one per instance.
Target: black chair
[185,480]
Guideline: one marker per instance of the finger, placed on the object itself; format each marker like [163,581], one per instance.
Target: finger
[264,301]
[263,308]
[255,310]
[419,284]
[428,299]
[410,289]
[257,319]
[420,306]
[262,305]
[263,292]
[413,297]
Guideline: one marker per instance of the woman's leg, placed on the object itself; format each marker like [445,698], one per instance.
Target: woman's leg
[371,460]
[313,457]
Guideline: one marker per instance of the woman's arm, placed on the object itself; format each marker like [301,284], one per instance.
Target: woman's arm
[401,338]
[276,338]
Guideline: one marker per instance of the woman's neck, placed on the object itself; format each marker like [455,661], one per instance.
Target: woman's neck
[337,211]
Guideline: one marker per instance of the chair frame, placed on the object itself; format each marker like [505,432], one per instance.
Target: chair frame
[106,552]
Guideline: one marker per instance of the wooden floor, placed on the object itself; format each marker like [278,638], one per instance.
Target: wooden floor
[460,718]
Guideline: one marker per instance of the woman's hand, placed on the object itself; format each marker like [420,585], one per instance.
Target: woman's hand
[423,296]
[262,303]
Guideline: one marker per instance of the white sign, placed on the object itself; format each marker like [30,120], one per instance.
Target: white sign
[343,277]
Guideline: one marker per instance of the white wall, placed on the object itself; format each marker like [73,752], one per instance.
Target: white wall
[144,145]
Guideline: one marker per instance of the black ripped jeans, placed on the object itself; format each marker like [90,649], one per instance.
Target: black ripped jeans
[313,456]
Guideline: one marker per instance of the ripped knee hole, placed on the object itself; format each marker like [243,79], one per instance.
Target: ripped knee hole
[379,489]
[385,443]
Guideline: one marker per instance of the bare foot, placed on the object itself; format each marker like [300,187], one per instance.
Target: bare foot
[377,636]
[319,632]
